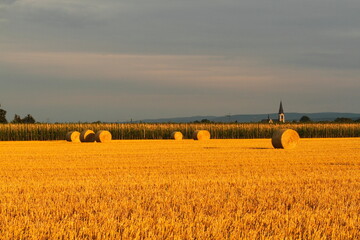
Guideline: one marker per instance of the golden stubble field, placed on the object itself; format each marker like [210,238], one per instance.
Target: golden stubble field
[163,189]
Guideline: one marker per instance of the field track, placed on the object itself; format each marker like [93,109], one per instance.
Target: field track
[164,189]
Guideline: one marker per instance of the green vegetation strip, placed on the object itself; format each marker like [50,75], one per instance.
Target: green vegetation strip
[44,132]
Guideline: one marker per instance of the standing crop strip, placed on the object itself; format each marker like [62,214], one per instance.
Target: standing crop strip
[44,132]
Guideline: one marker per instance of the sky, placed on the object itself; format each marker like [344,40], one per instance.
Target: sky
[116,60]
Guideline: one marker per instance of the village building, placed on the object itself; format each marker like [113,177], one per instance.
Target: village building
[268,120]
[281,116]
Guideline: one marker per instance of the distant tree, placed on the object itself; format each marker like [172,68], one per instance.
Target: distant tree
[205,121]
[343,120]
[3,116]
[28,119]
[17,119]
[304,119]
[358,120]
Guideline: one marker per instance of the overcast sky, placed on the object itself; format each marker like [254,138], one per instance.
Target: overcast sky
[113,60]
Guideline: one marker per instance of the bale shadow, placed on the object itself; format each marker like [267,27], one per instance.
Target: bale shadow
[259,148]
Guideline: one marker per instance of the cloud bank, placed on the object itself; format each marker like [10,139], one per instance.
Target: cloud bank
[114,60]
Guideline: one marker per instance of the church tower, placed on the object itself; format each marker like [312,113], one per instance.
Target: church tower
[281,113]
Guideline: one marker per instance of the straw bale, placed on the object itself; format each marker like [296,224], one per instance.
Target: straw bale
[285,138]
[201,135]
[73,136]
[87,136]
[103,136]
[177,135]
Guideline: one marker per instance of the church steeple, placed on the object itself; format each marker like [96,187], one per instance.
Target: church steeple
[281,110]
[281,113]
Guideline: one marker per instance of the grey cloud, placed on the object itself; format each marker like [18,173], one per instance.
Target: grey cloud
[7,1]
[276,30]
[341,61]
[313,42]
[183,27]
[73,100]
[267,29]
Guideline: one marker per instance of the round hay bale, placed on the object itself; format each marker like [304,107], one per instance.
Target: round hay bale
[177,135]
[87,136]
[103,136]
[201,135]
[73,136]
[285,138]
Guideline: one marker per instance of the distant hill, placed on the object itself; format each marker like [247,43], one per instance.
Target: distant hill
[325,116]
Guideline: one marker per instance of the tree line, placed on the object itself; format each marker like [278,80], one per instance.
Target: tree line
[303,119]
[17,119]
[306,119]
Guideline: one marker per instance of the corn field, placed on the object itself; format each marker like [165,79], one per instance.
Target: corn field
[44,132]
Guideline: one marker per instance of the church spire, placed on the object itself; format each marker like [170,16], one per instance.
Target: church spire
[281,110]
[281,113]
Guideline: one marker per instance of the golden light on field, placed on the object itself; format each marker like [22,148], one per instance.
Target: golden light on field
[163,189]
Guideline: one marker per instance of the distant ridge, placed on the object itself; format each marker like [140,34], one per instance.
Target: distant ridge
[322,116]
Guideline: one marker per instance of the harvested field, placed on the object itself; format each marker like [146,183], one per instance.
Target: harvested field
[163,189]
